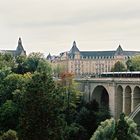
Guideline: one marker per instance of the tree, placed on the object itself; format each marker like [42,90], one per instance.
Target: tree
[32,61]
[87,116]
[72,96]
[42,104]
[44,66]
[20,67]
[75,132]
[8,116]
[133,64]
[105,131]
[124,129]
[129,65]
[58,70]
[9,135]
[4,72]
[88,120]
[11,83]
[118,66]
[90,116]
[6,60]
[132,129]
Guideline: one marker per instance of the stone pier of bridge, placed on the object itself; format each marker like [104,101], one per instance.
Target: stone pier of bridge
[119,94]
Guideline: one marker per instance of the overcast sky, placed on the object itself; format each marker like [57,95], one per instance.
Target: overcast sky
[52,25]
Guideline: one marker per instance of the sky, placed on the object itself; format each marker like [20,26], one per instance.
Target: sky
[51,26]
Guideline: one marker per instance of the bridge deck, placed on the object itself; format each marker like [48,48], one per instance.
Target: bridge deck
[128,80]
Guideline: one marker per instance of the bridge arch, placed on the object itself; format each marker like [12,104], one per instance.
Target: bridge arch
[119,101]
[127,100]
[101,95]
[136,96]
[135,115]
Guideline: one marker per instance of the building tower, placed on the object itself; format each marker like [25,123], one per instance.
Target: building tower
[20,50]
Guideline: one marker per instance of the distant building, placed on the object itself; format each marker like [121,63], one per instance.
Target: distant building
[90,62]
[19,50]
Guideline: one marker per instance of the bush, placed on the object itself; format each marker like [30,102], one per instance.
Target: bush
[105,131]
[75,132]
[124,129]
[9,135]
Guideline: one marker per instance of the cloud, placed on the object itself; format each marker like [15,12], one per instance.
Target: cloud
[57,22]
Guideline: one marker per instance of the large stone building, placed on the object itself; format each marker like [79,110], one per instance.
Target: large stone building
[19,50]
[90,62]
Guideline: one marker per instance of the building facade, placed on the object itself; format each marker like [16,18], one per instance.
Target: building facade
[90,62]
[19,50]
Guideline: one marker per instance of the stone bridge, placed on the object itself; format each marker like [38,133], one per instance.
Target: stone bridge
[120,94]
[135,115]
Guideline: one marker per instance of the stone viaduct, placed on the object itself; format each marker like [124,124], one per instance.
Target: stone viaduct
[120,94]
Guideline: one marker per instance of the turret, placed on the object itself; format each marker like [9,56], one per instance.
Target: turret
[20,50]
[49,57]
[74,48]
[119,51]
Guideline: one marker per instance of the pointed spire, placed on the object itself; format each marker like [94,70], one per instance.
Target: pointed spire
[19,41]
[49,56]
[74,43]
[19,47]
[74,48]
[119,50]
[20,50]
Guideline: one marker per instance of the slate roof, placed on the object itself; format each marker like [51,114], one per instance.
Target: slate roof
[97,53]
[84,54]
[107,53]
[131,53]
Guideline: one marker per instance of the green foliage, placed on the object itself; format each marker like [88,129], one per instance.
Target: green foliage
[10,83]
[105,131]
[132,129]
[133,64]
[118,67]
[20,67]
[58,70]
[4,72]
[92,106]
[32,61]
[9,135]
[88,120]
[8,116]
[39,108]
[124,129]
[44,66]
[42,104]
[6,60]
[129,65]
[71,98]
[90,116]
[75,132]
[103,114]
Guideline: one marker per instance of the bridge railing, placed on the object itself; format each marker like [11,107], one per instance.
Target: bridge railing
[108,79]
